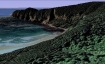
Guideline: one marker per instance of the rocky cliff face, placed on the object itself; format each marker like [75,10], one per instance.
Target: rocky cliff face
[44,16]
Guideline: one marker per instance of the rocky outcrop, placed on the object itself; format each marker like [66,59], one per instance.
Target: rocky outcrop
[59,17]
[44,16]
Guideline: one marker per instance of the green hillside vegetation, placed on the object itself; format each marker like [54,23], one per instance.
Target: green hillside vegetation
[82,43]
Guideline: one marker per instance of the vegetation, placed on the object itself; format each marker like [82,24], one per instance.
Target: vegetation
[83,44]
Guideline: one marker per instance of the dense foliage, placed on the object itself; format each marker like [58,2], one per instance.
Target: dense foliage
[83,44]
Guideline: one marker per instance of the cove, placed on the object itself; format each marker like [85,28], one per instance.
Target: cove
[15,34]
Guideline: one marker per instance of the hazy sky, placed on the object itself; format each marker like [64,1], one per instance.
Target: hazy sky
[39,3]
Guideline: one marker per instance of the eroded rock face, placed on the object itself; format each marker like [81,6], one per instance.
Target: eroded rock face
[46,15]
[24,14]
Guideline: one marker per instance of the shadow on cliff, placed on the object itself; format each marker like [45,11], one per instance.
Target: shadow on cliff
[59,16]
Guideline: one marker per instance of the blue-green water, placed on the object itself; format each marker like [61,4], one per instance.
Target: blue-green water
[21,33]
[16,34]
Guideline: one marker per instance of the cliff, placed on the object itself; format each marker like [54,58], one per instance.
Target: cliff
[57,16]
[82,43]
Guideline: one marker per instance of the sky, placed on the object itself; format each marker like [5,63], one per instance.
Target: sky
[40,3]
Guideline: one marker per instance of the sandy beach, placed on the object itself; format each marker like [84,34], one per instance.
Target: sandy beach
[10,48]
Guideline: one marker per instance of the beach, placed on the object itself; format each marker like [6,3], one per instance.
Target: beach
[10,48]
[28,30]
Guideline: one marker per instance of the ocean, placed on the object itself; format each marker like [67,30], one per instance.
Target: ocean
[21,34]
[16,32]
[8,11]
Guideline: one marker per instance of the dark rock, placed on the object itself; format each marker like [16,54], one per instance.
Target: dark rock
[44,16]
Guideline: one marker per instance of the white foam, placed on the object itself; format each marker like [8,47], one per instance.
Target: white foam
[24,39]
[27,38]
[9,47]
[7,41]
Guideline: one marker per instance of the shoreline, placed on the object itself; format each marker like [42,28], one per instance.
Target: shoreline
[48,27]
[7,49]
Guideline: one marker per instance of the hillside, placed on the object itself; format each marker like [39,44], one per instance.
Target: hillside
[82,43]
[59,16]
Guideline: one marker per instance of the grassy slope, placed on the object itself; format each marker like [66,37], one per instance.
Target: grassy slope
[83,44]
[68,15]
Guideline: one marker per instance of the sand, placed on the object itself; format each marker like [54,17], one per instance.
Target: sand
[10,48]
